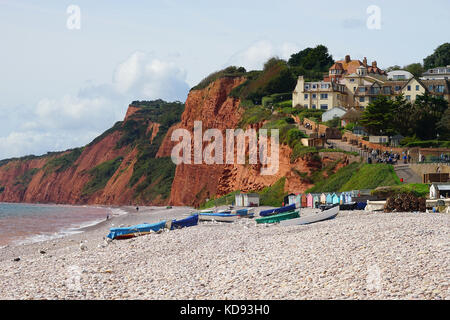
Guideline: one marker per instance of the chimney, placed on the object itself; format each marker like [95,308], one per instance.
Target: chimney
[374,64]
[365,62]
[347,58]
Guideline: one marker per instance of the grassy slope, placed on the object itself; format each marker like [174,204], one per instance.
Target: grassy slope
[358,176]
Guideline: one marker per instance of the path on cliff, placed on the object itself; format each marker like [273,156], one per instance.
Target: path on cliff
[405,172]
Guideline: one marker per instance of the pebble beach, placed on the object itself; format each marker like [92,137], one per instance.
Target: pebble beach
[358,255]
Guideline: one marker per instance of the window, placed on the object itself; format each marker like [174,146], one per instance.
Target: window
[313,106]
[352,80]
[324,96]
[306,106]
[439,88]
[409,88]
[362,89]
[306,86]
[430,87]
[314,96]
[314,86]
[397,88]
[324,106]
[408,98]
[306,96]
[417,88]
[362,99]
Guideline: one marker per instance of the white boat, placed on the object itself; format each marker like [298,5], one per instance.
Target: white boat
[325,215]
[220,217]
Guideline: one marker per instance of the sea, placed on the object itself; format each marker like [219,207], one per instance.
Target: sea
[29,223]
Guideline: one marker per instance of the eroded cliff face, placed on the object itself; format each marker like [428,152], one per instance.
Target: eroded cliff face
[193,183]
[100,173]
[130,163]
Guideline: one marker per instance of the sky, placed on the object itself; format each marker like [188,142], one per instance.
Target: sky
[68,75]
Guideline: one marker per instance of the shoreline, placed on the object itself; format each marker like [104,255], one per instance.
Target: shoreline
[335,259]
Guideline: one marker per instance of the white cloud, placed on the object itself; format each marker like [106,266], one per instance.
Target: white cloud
[254,57]
[73,120]
[149,78]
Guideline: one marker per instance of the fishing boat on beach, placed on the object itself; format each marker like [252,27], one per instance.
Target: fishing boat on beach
[220,217]
[271,212]
[278,217]
[184,223]
[322,216]
[135,231]
[226,215]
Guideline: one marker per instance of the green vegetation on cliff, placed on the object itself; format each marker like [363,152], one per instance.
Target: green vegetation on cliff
[358,176]
[64,162]
[24,180]
[100,176]
[158,173]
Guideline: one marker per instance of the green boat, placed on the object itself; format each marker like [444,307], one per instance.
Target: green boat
[279,217]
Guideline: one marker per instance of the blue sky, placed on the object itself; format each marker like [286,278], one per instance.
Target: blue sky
[60,88]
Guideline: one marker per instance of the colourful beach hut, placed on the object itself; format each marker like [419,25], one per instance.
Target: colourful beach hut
[298,201]
[291,198]
[316,200]
[329,198]
[323,198]
[342,198]
[309,200]
[334,198]
[348,197]
[304,201]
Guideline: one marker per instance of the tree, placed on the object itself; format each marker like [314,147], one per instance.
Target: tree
[415,68]
[316,59]
[393,68]
[443,125]
[378,117]
[428,111]
[440,57]
[402,116]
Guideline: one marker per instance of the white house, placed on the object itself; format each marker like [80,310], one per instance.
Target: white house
[336,112]
[438,190]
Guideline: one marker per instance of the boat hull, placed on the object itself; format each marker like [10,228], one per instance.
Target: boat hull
[185,223]
[323,216]
[135,231]
[271,212]
[278,218]
[220,217]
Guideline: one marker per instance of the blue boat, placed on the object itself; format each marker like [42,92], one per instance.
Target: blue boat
[271,212]
[135,231]
[184,223]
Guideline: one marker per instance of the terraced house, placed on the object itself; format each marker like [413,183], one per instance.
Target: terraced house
[355,84]
[340,85]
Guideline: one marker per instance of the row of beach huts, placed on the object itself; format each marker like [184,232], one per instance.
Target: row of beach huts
[306,200]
